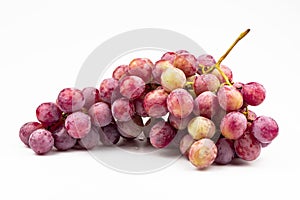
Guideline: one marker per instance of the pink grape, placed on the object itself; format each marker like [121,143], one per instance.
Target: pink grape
[180,123]
[149,124]
[187,63]
[62,140]
[225,151]
[172,78]
[201,127]
[141,67]
[161,134]
[41,141]
[122,109]
[159,67]
[253,93]
[100,114]
[185,144]
[91,139]
[265,129]
[247,147]
[206,105]
[48,113]
[120,72]
[155,103]
[109,135]
[27,129]
[180,103]
[227,71]
[78,124]
[139,107]
[233,125]
[70,100]
[205,61]
[202,153]
[206,82]
[230,99]
[132,87]
[91,96]
[132,128]
[169,56]
[107,88]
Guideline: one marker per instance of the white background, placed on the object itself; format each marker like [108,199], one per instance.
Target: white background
[44,43]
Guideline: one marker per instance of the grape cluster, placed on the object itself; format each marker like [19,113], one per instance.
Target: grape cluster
[179,97]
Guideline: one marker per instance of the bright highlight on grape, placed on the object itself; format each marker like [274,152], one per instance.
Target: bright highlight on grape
[181,97]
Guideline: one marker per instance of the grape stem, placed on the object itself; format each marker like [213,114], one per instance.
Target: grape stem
[217,65]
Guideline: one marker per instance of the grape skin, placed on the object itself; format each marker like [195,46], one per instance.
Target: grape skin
[201,127]
[149,124]
[132,128]
[41,141]
[91,139]
[159,67]
[107,88]
[70,100]
[206,105]
[141,67]
[139,107]
[78,124]
[187,63]
[120,72]
[109,135]
[169,56]
[247,147]
[122,109]
[202,153]
[48,113]
[253,93]
[180,103]
[62,140]
[27,129]
[155,103]
[172,78]
[230,99]
[91,96]
[180,123]
[132,87]
[161,134]
[185,144]
[206,82]
[233,125]
[100,114]
[265,129]
[205,61]
[225,151]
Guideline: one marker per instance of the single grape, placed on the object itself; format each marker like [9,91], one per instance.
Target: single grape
[91,139]
[100,114]
[180,103]
[27,129]
[132,128]
[132,87]
[48,113]
[155,103]
[141,67]
[253,93]
[107,87]
[247,147]
[201,127]
[122,109]
[41,141]
[227,71]
[169,56]
[265,129]
[202,153]
[149,124]
[185,144]
[139,107]
[78,124]
[62,140]
[180,123]
[70,100]
[120,72]
[91,96]
[225,151]
[159,67]
[206,105]
[205,61]
[161,134]
[206,82]
[230,99]
[172,78]
[109,135]
[187,63]
[233,125]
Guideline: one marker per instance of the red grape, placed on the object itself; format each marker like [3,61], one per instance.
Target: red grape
[265,129]
[132,128]
[78,124]
[122,109]
[253,93]
[41,141]
[227,71]
[205,61]
[120,72]
[100,114]
[159,67]
[27,129]
[201,127]
[48,113]
[225,151]
[132,87]
[91,139]
[247,147]
[185,144]
[206,105]
[161,134]
[109,134]
[70,100]
[180,103]
[187,63]
[233,125]
[179,123]
[169,56]
[149,124]
[62,140]
[206,82]
[107,88]
[230,99]
[155,103]
[141,67]
[139,107]
[91,96]
[172,78]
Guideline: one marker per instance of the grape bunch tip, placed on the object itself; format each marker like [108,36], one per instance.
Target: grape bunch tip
[180,97]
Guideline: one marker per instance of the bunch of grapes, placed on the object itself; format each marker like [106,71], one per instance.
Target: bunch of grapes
[179,97]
